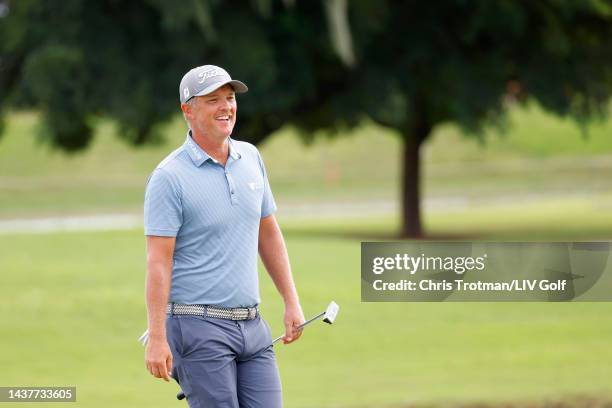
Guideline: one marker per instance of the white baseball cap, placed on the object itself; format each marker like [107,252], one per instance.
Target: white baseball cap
[206,79]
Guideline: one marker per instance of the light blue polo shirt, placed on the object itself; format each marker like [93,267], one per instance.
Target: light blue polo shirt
[214,213]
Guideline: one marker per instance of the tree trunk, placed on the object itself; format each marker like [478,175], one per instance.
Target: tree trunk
[411,177]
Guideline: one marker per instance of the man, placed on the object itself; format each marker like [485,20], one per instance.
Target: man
[208,211]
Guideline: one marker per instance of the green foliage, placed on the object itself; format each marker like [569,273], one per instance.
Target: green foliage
[57,77]
[454,61]
[418,63]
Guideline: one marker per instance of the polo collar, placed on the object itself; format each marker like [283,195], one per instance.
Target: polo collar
[199,156]
[233,150]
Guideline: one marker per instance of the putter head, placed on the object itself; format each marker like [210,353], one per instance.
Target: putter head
[331,312]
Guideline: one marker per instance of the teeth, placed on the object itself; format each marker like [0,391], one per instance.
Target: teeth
[223,117]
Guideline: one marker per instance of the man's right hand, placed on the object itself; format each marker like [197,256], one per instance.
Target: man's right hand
[158,358]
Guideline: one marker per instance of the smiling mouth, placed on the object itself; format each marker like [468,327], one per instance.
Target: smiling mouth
[224,118]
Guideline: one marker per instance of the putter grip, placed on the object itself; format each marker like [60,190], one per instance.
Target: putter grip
[180,396]
[301,325]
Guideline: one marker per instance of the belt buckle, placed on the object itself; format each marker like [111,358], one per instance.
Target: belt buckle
[252,313]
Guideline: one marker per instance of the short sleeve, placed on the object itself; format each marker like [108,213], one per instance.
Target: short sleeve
[163,215]
[268,206]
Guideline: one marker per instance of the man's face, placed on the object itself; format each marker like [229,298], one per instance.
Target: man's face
[213,115]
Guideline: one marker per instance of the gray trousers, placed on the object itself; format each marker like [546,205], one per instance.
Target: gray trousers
[223,363]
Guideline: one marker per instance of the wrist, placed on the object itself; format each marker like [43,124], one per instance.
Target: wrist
[157,336]
[292,303]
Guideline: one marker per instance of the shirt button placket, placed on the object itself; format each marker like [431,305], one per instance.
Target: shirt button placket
[232,187]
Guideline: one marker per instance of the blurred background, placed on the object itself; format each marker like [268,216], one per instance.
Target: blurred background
[377,120]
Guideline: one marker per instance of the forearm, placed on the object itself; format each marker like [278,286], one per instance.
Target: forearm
[274,256]
[158,357]
[273,253]
[157,290]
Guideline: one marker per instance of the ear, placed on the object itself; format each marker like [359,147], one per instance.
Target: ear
[186,108]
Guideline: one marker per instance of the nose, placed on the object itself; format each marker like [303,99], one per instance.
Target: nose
[227,105]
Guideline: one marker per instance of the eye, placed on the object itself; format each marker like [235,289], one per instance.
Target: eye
[214,100]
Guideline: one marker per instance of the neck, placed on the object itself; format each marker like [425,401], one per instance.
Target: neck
[218,149]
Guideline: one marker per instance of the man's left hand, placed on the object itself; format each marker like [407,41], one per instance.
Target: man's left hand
[294,317]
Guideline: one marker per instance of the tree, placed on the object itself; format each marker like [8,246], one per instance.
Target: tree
[456,62]
[407,65]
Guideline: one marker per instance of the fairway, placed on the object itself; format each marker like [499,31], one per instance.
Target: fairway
[81,309]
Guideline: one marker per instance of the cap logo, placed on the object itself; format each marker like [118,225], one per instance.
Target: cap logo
[204,75]
[186,92]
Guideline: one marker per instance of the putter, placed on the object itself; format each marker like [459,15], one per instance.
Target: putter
[329,316]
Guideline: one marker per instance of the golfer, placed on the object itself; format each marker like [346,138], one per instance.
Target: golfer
[208,211]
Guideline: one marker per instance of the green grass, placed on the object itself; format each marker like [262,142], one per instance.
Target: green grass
[72,307]
[72,303]
[539,153]
[551,219]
